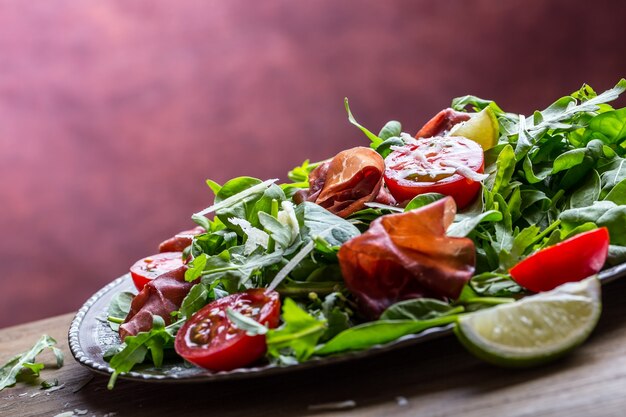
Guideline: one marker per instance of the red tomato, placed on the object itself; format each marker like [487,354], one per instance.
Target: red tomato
[571,260]
[431,165]
[210,340]
[147,269]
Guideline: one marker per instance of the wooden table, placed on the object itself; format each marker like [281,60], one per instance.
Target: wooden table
[435,379]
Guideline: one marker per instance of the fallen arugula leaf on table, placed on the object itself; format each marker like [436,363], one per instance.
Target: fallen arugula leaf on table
[14,368]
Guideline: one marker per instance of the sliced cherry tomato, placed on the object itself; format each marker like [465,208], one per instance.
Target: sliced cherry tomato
[147,269]
[210,340]
[435,165]
[571,260]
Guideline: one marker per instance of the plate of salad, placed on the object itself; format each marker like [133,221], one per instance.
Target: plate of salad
[491,225]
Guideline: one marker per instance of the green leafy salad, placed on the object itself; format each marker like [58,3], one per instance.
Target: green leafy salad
[480,209]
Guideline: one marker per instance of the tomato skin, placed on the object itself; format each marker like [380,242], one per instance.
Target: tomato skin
[148,268]
[462,189]
[571,260]
[227,347]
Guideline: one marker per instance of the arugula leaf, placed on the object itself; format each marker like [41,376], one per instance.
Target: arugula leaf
[505,168]
[14,367]
[277,231]
[491,284]
[298,335]
[135,348]
[247,324]
[376,141]
[419,309]
[196,266]
[194,300]
[467,224]
[234,269]
[378,332]
[240,191]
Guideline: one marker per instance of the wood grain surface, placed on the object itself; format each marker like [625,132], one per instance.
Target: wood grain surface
[436,379]
[113,113]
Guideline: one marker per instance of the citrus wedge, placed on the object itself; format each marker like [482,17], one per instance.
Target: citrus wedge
[482,128]
[536,329]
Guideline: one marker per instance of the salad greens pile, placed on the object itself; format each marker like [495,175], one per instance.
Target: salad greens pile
[552,175]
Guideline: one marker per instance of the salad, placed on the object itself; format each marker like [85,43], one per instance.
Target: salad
[479,209]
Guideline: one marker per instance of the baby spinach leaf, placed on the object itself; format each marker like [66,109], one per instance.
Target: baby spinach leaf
[587,193]
[384,149]
[617,254]
[611,124]
[532,176]
[119,308]
[319,222]
[423,200]
[391,129]
[617,194]
[298,335]
[577,216]
[569,160]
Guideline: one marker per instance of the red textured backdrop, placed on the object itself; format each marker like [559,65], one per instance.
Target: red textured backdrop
[113,113]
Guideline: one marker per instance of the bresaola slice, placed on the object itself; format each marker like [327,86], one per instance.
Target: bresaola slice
[407,255]
[179,242]
[159,297]
[344,184]
[441,123]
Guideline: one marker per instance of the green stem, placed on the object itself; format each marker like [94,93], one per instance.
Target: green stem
[488,300]
[303,289]
[547,231]
[115,320]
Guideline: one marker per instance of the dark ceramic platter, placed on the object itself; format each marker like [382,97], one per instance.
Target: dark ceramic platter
[90,336]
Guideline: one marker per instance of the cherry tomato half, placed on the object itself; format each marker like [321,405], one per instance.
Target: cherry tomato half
[571,260]
[432,165]
[210,340]
[147,269]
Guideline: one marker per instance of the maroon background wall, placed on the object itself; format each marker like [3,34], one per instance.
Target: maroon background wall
[113,113]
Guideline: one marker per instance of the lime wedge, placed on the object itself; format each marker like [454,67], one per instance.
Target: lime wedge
[536,329]
[482,128]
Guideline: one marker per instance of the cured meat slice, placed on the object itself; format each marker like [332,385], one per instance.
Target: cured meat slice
[407,255]
[160,297]
[344,184]
[441,123]
[179,242]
